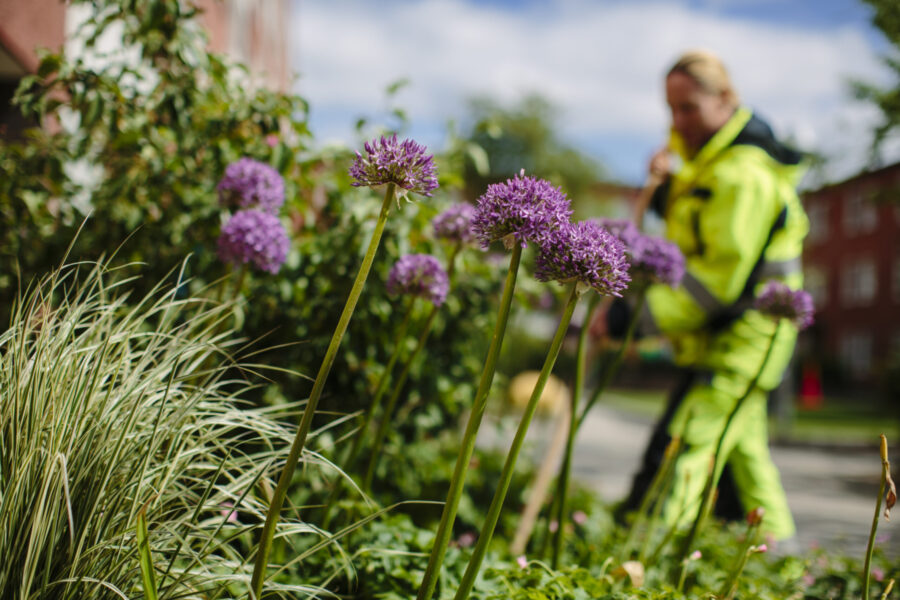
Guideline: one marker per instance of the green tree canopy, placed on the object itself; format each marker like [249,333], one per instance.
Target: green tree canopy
[522,136]
[886,17]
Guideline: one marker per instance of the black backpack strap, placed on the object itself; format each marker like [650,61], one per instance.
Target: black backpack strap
[728,315]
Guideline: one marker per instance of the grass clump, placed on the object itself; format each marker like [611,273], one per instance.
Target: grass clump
[115,411]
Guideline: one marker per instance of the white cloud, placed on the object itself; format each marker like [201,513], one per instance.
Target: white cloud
[600,64]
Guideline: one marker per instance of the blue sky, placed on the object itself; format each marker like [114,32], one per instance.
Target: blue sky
[599,62]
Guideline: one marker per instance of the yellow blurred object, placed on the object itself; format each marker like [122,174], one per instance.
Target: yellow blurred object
[552,400]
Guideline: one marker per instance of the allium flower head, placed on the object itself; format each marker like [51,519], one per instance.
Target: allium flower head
[254,236]
[404,164]
[780,301]
[526,208]
[455,223]
[249,183]
[584,252]
[649,257]
[419,275]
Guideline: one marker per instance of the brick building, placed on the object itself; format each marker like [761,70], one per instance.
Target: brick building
[852,267]
[253,32]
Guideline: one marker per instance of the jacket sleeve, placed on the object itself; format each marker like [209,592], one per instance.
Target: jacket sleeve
[733,226]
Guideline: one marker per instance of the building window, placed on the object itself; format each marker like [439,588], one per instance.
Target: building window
[860,214]
[856,353]
[817,211]
[816,283]
[859,283]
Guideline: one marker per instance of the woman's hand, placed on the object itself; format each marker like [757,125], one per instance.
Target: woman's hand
[660,164]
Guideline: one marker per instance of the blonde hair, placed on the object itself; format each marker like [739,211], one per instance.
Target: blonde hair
[707,70]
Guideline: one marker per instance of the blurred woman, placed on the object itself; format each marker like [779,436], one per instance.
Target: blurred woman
[732,208]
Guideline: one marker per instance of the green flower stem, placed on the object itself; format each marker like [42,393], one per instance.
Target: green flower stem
[493,515]
[706,497]
[611,367]
[401,381]
[467,447]
[265,543]
[381,434]
[661,480]
[747,548]
[239,283]
[562,481]
[870,547]
[350,459]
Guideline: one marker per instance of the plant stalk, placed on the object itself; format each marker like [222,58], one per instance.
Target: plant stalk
[467,447]
[870,546]
[487,530]
[706,497]
[265,543]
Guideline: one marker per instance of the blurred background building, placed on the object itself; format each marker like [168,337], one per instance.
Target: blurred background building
[852,269]
[251,32]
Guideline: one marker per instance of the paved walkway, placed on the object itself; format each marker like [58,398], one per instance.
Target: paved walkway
[831,491]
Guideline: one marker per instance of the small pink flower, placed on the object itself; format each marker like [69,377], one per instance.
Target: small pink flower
[808,579]
[554,525]
[272,140]
[762,548]
[466,539]
[523,562]
[579,517]
[696,555]
[877,574]
[229,514]
[882,538]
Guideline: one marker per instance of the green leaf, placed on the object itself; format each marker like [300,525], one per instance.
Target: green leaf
[146,560]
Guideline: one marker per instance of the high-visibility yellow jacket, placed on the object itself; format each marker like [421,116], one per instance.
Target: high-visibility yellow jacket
[720,208]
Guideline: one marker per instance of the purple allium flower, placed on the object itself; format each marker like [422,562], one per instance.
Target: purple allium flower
[249,183]
[648,256]
[254,236]
[584,252]
[419,275]
[778,300]
[455,223]
[526,208]
[404,164]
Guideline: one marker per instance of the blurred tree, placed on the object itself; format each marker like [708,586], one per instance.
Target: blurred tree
[523,137]
[886,17]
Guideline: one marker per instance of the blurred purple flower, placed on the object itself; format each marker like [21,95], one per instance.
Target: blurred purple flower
[584,252]
[404,164]
[249,183]
[419,275]
[455,223]
[524,207]
[254,236]
[466,539]
[650,257]
[780,301]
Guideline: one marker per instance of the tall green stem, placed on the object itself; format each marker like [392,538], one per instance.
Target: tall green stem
[401,381]
[265,543]
[493,515]
[467,447]
[870,547]
[381,433]
[380,389]
[612,366]
[565,472]
[706,497]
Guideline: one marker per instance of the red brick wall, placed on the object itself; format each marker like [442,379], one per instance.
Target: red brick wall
[28,24]
[834,254]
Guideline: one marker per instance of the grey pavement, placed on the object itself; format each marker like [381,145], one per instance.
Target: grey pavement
[831,489]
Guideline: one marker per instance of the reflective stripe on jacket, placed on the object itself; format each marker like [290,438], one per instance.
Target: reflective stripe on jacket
[720,208]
